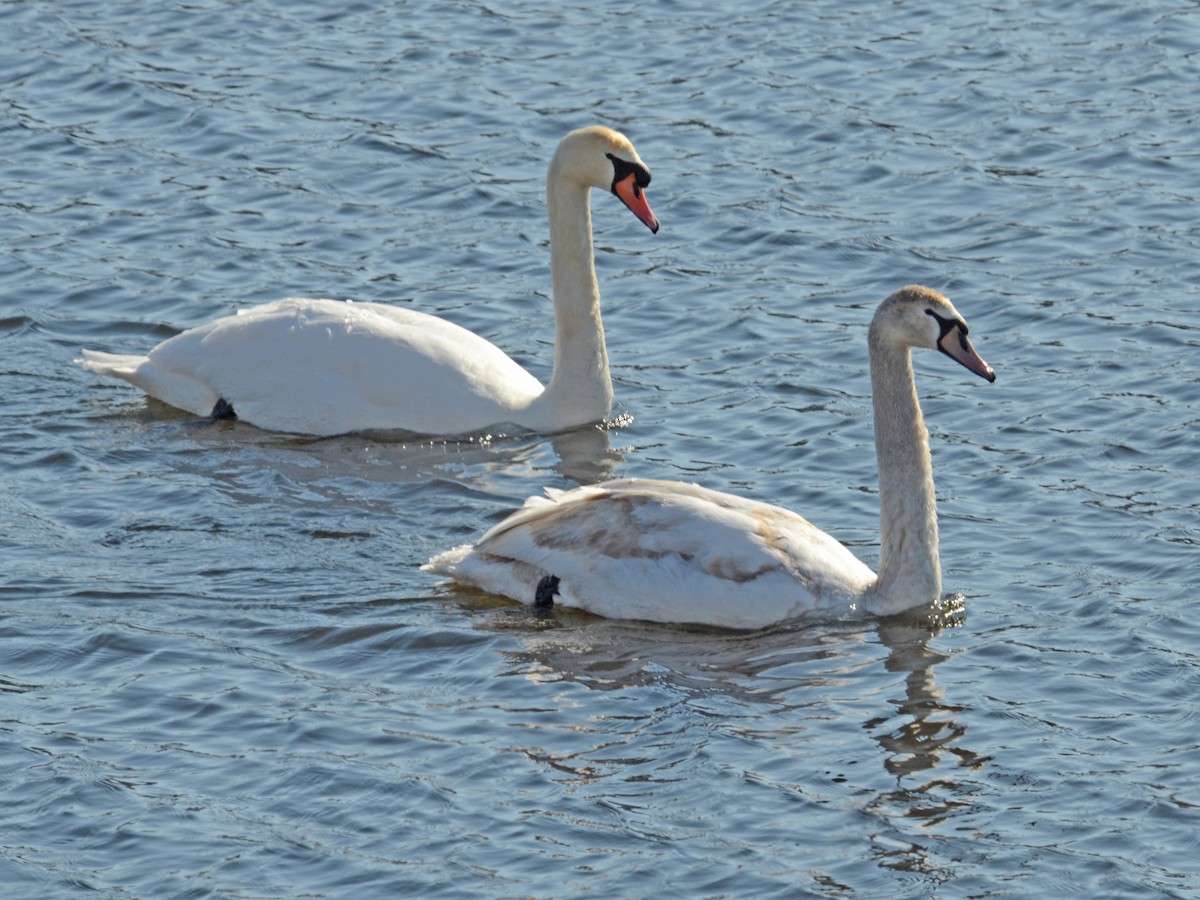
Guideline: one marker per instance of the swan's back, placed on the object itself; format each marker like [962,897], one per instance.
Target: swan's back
[331,366]
[664,551]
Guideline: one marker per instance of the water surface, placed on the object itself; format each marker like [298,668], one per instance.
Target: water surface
[222,672]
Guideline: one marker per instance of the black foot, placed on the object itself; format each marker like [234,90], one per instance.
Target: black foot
[547,590]
[223,409]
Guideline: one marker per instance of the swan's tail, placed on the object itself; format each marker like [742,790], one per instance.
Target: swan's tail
[119,365]
[512,578]
[178,390]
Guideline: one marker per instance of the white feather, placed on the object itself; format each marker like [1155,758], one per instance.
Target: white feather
[328,367]
[672,552]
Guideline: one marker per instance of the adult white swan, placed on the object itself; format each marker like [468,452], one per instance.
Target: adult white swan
[324,367]
[671,552]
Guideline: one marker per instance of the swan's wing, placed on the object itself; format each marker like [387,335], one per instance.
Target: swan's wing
[664,551]
[327,367]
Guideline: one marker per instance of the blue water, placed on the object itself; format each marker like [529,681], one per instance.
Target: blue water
[222,673]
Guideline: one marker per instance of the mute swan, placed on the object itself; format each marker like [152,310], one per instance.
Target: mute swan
[667,551]
[323,367]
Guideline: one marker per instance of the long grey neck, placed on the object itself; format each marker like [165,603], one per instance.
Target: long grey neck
[580,383]
[909,572]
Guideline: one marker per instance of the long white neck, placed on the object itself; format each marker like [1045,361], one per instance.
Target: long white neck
[909,572]
[580,388]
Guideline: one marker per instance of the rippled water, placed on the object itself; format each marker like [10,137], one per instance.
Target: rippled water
[222,672]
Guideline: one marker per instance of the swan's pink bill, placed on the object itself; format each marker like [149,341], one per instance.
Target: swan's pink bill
[634,197]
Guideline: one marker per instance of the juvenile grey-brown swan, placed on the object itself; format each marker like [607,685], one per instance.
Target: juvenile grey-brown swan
[323,367]
[666,551]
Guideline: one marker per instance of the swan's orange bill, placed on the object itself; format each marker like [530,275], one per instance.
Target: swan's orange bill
[954,344]
[635,198]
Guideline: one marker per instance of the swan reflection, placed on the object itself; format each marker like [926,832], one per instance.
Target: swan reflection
[779,690]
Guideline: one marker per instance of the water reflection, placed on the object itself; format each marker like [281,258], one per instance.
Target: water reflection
[776,691]
[610,654]
[586,455]
[928,729]
[923,734]
[583,455]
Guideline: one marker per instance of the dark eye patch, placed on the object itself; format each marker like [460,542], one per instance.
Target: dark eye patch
[947,325]
[622,168]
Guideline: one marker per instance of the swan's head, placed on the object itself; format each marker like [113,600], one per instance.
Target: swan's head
[600,157]
[917,316]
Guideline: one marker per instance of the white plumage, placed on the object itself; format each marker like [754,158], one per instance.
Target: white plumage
[325,367]
[672,552]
